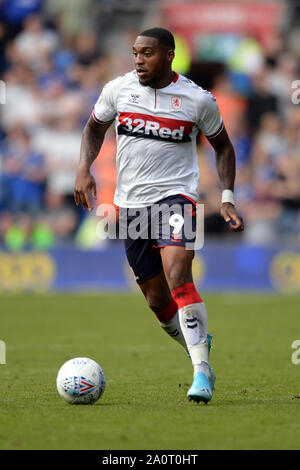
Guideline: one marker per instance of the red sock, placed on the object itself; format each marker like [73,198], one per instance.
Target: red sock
[167,313]
[186,295]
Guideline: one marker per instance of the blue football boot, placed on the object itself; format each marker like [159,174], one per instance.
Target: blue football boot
[201,389]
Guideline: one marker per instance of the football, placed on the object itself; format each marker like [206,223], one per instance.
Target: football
[80,381]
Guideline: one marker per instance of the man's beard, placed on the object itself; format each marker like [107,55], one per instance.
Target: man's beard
[153,81]
[149,83]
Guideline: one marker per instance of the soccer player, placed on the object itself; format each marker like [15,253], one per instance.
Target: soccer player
[157,115]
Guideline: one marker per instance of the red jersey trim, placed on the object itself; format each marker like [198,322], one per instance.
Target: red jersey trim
[176,77]
[187,197]
[163,246]
[98,120]
[216,133]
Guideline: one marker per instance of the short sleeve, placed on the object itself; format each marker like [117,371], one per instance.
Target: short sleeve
[209,119]
[105,109]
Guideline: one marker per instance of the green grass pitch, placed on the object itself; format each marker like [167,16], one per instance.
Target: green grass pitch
[256,404]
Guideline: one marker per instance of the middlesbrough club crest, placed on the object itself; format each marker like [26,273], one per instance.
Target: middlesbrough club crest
[176,103]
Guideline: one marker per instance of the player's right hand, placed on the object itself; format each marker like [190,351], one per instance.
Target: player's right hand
[230,215]
[84,185]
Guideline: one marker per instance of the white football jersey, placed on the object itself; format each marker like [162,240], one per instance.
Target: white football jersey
[156,136]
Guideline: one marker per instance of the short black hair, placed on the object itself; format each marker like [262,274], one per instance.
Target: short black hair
[163,36]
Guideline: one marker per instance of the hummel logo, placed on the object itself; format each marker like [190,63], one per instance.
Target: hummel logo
[134,98]
[176,237]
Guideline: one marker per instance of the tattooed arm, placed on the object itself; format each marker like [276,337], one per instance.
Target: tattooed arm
[225,161]
[92,140]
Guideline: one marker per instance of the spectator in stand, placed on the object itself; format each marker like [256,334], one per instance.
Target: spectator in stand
[275,179]
[24,173]
[286,188]
[279,81]
[261,101]
[61,163]
[74,16]
[14,13]
[23,98]
[87,57]
[62,155]
[87,49]
[35,42]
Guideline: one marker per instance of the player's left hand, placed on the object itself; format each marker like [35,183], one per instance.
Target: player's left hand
[229,214]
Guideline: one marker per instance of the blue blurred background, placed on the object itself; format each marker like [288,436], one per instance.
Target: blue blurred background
[55,57]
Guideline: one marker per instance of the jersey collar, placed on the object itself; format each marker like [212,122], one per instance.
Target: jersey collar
[175,77]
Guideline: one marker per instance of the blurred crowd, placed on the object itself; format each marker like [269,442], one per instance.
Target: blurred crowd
[54,64]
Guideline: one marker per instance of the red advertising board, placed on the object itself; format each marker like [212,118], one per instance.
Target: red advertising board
[260,19]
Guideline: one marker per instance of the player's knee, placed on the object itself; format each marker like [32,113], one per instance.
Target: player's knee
[156,302]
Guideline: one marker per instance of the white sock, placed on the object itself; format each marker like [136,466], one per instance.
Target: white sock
[193,322]
[173,329]
[202,367]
